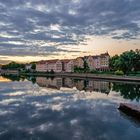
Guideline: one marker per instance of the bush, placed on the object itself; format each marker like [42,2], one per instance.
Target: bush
[93,71]
[119,72]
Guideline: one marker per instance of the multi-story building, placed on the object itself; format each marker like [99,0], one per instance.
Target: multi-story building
[90,62]
[98,62]
[68,65]
[104,61]
[79,62]
[49,65]
[41,66]
[54,65]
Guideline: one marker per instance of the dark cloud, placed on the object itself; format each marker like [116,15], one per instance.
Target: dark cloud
[65,22]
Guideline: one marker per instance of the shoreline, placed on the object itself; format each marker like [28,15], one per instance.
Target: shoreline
[87,75]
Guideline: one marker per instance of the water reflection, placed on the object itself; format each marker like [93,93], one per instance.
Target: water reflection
[86,85]
[62,108]
[126,90]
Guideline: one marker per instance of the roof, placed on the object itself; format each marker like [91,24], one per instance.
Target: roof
[67,60]
[80,58]
[97,56]
[41,62]
[52,61]
[105,54]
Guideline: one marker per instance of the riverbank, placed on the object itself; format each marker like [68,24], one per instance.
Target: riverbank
[87,75]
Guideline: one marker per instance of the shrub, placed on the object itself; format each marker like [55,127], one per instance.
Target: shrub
[93,71]
[119,72]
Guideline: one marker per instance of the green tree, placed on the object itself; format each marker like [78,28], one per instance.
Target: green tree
[33,66]
[86,67]
[113,62]
[13,65]
[128,61]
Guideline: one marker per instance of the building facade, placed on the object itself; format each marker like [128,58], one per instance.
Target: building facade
[41,66]
[68,65]
[54,65]
[98,62]
[79,62]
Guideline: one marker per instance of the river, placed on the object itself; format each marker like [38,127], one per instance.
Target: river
[41,108]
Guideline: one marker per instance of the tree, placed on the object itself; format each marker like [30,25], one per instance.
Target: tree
[13,65]
[128,61]
[86,67]
[113,62]
[33,66]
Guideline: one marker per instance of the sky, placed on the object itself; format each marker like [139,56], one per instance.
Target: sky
[32,30]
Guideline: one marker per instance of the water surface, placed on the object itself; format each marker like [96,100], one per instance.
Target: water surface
[62,108]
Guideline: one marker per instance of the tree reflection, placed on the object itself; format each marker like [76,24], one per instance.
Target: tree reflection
[127,91]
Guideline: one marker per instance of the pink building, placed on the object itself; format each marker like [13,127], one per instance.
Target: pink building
[49,65]
[55,65]
[104,61]
[68,65]
[79,62]
[41,66]
[98,62]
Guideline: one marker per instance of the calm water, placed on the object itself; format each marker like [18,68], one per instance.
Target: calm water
[66,109]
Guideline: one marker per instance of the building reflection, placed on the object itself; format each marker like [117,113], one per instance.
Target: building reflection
[54,83]
[86,85]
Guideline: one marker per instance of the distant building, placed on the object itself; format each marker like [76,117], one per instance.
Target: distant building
[54,65]
[49,65]
[28,66]
[104,61]
[68,65]
[41,66]
[98,62]
[90,62]
[79,62]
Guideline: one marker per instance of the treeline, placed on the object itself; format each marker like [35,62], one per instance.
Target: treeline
[17,66]
[13,65]
[128,61]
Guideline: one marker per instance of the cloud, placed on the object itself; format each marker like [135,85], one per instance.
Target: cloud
[63,23]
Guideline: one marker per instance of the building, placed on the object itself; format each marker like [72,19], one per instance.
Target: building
[49,65]
[98,62]
[90,62]
[79,62]
[28,66]
[41,66]
[68,65]
[104,61]
[54,65]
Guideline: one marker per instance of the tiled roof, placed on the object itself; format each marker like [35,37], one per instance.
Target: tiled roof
[41,62]
[66,60]
[52,61]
